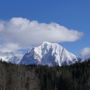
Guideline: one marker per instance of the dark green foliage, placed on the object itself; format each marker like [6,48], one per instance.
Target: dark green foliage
[32,77]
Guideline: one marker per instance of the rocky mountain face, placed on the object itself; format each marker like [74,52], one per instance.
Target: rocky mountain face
[51,54]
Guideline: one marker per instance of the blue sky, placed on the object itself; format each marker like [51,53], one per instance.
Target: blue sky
[73,14]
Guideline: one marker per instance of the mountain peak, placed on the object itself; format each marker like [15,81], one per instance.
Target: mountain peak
[49,43]
[46,42]
[49,54]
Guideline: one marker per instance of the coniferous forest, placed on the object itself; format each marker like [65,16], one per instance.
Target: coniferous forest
[32,77]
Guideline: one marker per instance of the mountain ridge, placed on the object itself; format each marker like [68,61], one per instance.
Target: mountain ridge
[49,54]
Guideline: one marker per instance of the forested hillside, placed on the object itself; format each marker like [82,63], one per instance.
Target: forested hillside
[32,77]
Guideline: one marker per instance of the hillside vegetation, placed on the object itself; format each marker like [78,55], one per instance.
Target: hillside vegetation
[32,77]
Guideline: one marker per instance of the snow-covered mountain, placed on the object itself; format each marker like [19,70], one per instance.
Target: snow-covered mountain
[49,54]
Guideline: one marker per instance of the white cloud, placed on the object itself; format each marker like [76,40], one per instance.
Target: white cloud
[9,47]
[21,33]
[85,52]
[9,50]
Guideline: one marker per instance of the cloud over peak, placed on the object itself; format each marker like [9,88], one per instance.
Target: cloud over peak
[26,33]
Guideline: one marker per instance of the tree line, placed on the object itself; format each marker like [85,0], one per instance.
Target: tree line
[34,77]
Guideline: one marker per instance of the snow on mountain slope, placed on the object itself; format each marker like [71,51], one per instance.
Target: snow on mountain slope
[11,57]
[49,54]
